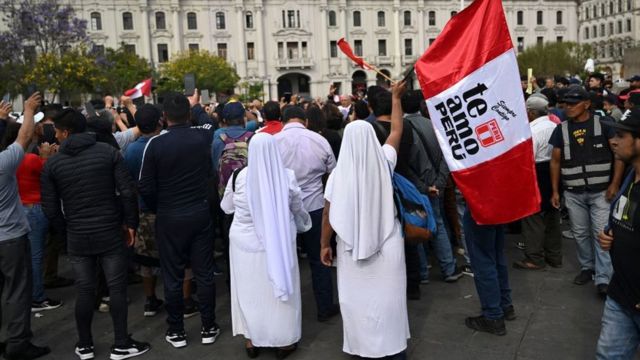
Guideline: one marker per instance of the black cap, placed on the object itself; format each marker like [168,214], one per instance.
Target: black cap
[634,78]
[293,112]
[147,118]
[575,95]
[630,121]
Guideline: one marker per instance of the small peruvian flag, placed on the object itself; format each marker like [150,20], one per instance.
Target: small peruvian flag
[143,88]
[470,80]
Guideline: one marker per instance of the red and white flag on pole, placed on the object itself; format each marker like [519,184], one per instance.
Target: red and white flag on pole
[470,80]
[143,88]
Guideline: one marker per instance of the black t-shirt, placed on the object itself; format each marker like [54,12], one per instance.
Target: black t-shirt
[577,131]
[625,251]
[406,141]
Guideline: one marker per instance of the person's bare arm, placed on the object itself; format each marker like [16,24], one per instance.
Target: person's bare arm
[326,255]
[616,179]
[395,135]
[554,167]
[28,125]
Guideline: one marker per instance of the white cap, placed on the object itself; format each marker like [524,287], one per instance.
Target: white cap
[36,118]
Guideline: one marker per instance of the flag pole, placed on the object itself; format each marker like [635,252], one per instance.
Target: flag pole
[378,71]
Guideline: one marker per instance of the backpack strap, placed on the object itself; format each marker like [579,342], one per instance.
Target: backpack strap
[234,176]
[435,164]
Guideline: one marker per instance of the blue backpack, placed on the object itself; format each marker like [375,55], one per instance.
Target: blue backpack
[414,211]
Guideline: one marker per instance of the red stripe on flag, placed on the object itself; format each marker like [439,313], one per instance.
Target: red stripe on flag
[491,187]
[346,49]
[475,36]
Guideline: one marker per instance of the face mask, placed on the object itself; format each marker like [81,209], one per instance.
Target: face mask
[48,134]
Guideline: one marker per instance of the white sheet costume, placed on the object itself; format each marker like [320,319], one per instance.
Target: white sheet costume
[370,254]
[265,281]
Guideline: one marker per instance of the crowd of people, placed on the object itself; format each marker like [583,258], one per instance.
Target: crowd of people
[159,189]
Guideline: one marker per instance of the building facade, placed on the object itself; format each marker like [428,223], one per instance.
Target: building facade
[610,27]
[290,46]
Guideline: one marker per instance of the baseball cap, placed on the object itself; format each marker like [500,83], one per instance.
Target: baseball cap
[634,78]
[630,121]
[575,95]
[233,110]
[147,118]
[537,103]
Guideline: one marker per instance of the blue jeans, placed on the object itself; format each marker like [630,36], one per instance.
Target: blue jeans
[620,334]
[320,274]
[461,206]
[39,227]
[440,243]
[589,213]
[486,249]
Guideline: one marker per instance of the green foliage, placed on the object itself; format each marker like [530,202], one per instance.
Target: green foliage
[250,91]
[123,70]
[212,72]
[556,58]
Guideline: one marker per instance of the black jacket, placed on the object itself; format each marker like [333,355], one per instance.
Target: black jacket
[79,185]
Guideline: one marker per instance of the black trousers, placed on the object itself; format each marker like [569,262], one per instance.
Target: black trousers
[182,239]
[113,265]
[413,268]
[15,289]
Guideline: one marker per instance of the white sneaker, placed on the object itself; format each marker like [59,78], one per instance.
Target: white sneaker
[177,339]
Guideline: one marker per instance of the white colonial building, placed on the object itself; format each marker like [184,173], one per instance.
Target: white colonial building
[610,27]
[291,45]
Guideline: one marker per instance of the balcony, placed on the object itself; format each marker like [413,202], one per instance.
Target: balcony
[408,59]
[384,60]
[296,63]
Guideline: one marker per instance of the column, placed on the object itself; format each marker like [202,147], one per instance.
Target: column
[146,38]
[323,64]
[261,54]
[397,68]
[177,30]
[344,17]
[241,43]
[421,45]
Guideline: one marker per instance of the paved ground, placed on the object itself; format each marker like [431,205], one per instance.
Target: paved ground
[556,320]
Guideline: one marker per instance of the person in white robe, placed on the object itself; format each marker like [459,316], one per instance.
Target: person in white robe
[265,281]
[370,258]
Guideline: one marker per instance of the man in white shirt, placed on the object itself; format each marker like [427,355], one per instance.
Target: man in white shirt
[541,231]
[310,157]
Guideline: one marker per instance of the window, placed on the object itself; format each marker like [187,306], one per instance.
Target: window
[586,33]
[595,31]
[130,48]
[619,27]
[357,47]
[192,21]
[558,17]
[305,51]
[628,5]
[407,18]
[628,25]
[251,51]
[127,21]
[280,50]
[248,20]
[539,17]
[431,41]
[432,18]
[298,17]
[602,13]
[332,18]
[381,22]
[602,27]
[382,47]
[619,5]
[610,50]
[333,49]
[454,13]
[611,8]
[357,21]
[292,50]
[408,47]
[160,23]
[520,17]
[96,21]
[221,24]
[610,28]
[540,40]
[520,44]
[163,52]
[98,49]
[559,38]
[595,11]
[222,50]
[586,12]
[291,19]
[194,47]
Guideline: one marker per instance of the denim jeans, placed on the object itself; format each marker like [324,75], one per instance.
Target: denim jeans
[486,249]
[440,243]
[39,227]
[461,206]
[114,266]
[589,213]
[320,274]
[620,333]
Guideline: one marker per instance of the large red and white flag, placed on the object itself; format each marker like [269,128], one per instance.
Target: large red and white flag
[470,80]
[142,89]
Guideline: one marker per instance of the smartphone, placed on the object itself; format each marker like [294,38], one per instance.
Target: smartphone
[287,97]
[91,111]
[189,84]
[6,98]
[204,96]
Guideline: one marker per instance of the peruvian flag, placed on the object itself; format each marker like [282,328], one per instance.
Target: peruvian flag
[143,88]
[470,80]
[346,49]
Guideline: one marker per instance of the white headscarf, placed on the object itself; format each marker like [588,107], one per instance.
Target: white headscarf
[268,195]
[360,192]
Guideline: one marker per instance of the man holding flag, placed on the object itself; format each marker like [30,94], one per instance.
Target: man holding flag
[482,127]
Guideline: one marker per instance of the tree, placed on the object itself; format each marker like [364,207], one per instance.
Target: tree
[212,72]
[554,58]
[122,70]
[250,91]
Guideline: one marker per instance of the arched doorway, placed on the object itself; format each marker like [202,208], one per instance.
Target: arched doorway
[381,81]
[294,83]
[359,82]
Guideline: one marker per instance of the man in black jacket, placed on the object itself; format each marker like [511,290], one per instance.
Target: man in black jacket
[176,168]
[84,176]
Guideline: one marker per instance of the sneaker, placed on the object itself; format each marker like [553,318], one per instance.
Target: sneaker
[190,308]
[481,323]
[131,349]
[509,313]
[29,352]
[104,305]
[176,338]
[457,274]
[424,281]
[584,277]
[47,304]
[210,335]
[84,352]
[152,306]
[466,270]
[567,234]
